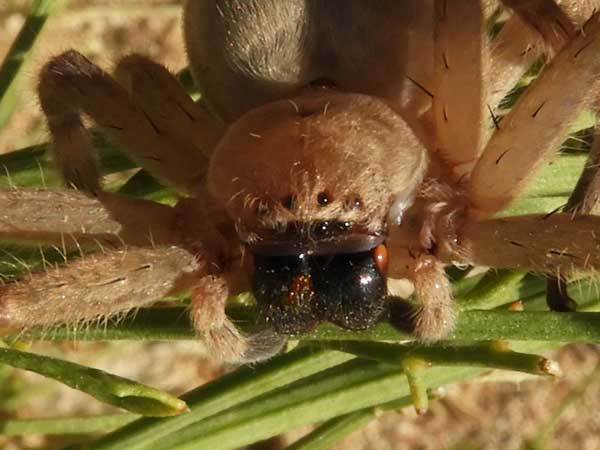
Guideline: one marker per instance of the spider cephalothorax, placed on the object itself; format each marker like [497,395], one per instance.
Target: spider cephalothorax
[312,228]
[346,129]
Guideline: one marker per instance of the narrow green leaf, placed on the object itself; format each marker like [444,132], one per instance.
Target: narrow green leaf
[349,387]
[533,205]
[341,390]
[334,430]
[65,425]
[14,62]
[497,287]
[33,166]
[144,185]
[479,355]
[117,391]
[235,388]
[558,177]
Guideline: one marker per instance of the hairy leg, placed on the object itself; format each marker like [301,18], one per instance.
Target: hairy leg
[557,24]
[545,16]
[69,217]
[179,253]
[513,51]
[190,130]
[518,44]
[459,100]
[71,85]
[545,243]
[435,317]
[535,127]
[584,200]
[96,287]
[222,337]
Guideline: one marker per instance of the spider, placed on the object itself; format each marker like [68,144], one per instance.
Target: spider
[343,144]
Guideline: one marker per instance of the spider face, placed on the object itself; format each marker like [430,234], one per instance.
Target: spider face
[279,165]
[312,229]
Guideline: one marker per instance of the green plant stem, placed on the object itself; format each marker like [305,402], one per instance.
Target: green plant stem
[493,290]
[117,391]
[17,55]
[172,323]
[418,390]
[65,425]
[490,325]
[481,355]
[349,387]
[226,392]
[352,386]
[333,431]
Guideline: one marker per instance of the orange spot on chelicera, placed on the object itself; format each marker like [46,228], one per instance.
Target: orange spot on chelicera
[381,258]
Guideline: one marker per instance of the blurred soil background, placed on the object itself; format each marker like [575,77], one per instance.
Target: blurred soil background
[500,412]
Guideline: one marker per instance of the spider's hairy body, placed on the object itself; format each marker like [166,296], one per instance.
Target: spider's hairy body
[272,49]
[338,145]
[344,129]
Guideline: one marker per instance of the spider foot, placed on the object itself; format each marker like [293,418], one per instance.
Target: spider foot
[433,322]
[220,335]
[435,317]
[228,344]
[428,324]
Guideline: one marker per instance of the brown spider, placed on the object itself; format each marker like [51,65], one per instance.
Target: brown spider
[348,128]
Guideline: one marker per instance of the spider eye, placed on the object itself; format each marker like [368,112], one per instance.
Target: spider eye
[353,202]
[322,230]
[344,226]
[323,199]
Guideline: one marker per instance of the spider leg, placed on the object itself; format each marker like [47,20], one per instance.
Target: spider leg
[187,127]
[556,24]
[519,45]
[224,340]
[552,23]
[459,102]
[544,243]
[537,124]
[413,251]
[435,317]
[104,285]
[513,51]
[584,200]
[177,253]
[545,16]
[69,217]
[70,85]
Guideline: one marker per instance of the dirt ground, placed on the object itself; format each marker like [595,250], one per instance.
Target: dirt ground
[501,413]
